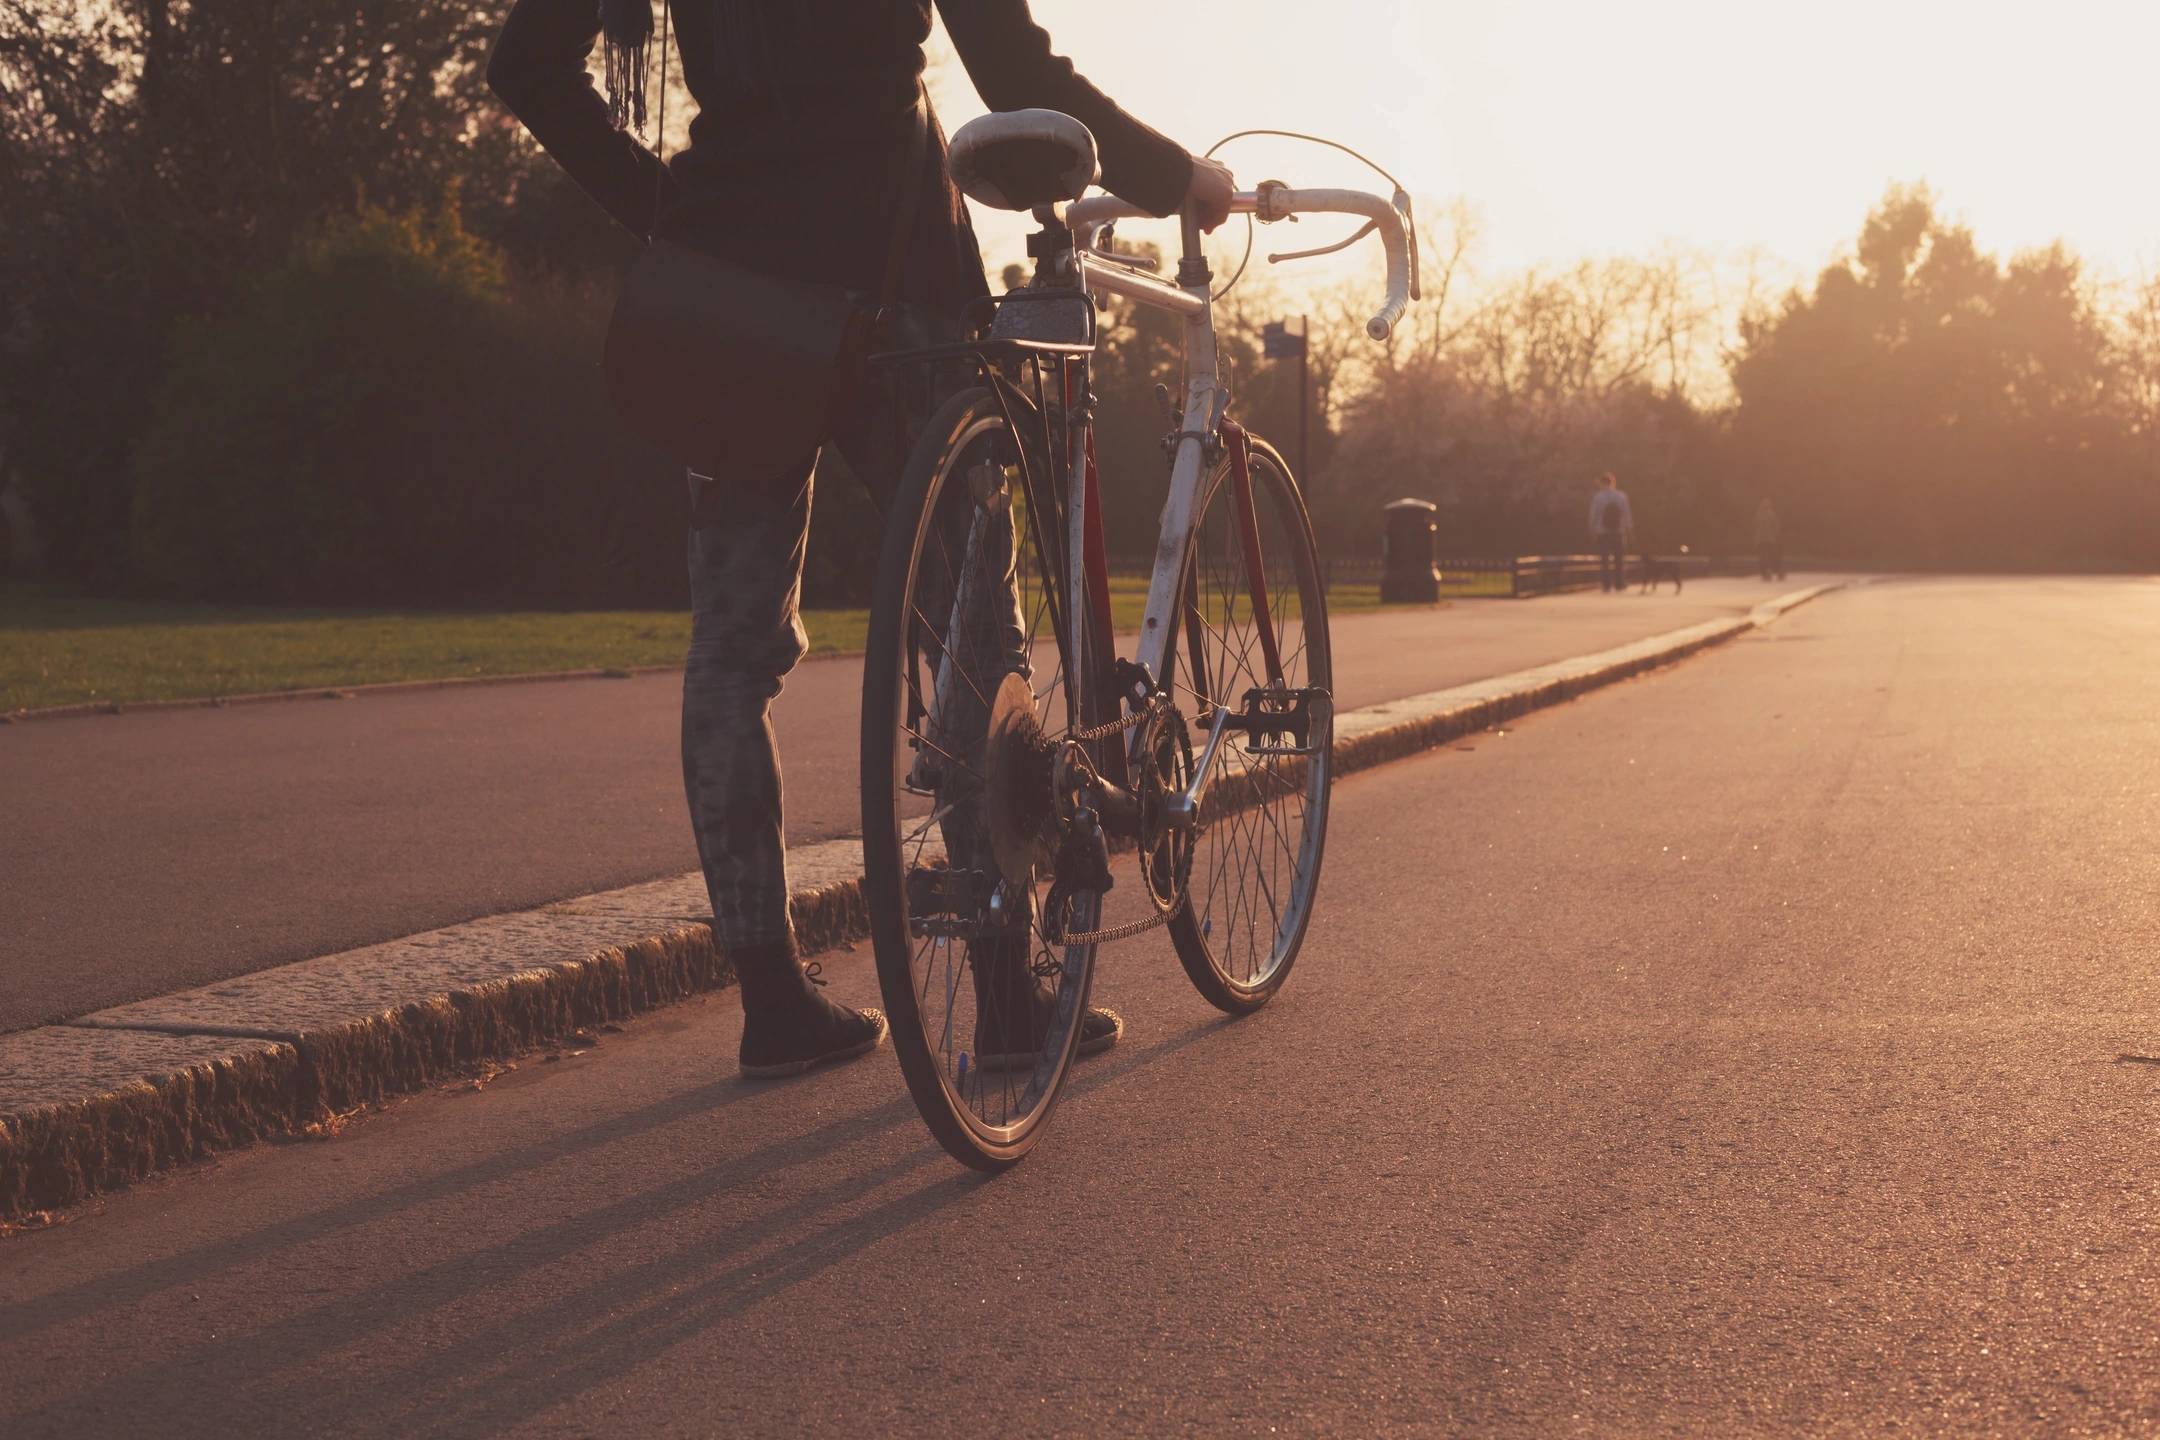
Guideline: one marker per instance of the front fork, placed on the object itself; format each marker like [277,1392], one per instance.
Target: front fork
[1239,445]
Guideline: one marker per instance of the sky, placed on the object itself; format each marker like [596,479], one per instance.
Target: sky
[1735,129]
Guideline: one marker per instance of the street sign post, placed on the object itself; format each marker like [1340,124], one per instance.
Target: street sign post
[1281,340]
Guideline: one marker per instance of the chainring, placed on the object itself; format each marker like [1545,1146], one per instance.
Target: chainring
[1167,838]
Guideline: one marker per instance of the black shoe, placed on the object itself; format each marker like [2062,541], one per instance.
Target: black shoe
[790,1027]
[998,1049]
[1100,1028]
[1005,989]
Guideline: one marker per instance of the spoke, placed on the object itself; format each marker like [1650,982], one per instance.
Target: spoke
[958,668]
[951,990]
[931,819]
[918,735]
[915,861]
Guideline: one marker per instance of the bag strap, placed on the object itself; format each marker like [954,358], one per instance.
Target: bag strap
[659,184]
[911,189]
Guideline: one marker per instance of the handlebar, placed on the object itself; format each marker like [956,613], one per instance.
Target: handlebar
[1274,202]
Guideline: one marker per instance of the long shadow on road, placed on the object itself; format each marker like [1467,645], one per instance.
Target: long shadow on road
[555,1350]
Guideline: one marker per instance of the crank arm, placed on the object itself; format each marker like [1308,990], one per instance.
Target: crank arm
[1185,808]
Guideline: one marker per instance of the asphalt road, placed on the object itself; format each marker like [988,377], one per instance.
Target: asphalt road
[1761,1046]
[149,852]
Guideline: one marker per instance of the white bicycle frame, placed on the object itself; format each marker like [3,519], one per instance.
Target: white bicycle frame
[1206,398]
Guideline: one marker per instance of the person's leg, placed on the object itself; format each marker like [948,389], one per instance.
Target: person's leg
[746,554]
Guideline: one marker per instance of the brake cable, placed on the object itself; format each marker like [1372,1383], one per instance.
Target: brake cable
[1400,199]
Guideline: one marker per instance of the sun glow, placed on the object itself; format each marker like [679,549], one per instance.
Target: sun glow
[1580,129]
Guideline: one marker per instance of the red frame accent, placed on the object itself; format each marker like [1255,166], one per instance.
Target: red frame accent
[1235,439]
[1095,557]
[1095,570]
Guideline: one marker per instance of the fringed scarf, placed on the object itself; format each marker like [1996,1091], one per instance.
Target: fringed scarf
[626,33]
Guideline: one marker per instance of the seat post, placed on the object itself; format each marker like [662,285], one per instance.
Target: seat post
[1050,247]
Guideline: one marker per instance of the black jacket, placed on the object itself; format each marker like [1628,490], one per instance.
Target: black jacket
[794,152]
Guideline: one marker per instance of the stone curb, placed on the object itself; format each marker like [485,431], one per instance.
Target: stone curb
[105,1099]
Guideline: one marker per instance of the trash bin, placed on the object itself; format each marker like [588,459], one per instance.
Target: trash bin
[1408,574]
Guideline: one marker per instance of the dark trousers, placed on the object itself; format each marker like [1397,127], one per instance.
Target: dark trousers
[747,540]
[1612,562]
[1770,555]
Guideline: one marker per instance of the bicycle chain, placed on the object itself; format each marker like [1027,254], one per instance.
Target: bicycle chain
[1131,927]
[1116,932]
[1107,728]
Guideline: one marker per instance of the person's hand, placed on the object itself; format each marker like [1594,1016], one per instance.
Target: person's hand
[1209,194]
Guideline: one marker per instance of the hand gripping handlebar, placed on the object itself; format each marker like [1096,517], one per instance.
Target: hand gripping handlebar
[1275,202]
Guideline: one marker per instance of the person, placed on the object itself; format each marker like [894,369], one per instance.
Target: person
[794,167]
[1769,541]
[1611,522]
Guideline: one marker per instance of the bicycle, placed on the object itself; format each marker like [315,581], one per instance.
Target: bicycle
[1008,749]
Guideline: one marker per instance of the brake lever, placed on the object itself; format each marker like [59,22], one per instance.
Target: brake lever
[1368,228]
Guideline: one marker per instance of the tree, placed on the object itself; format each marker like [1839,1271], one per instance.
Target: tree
[1926,404]
[1501,406]
[158,154]
[385,418]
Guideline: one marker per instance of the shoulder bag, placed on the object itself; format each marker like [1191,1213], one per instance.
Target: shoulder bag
[736,373]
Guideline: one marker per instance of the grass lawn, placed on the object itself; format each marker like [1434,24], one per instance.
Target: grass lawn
[59,648]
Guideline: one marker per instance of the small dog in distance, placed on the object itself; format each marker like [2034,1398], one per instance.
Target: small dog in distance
[1655,570]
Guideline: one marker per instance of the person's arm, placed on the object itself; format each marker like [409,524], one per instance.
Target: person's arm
[538,70]
[1009,58]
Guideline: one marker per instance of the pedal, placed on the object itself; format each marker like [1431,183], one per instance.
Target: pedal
[1284,721]
[951,904]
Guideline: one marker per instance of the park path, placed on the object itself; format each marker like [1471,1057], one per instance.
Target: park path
[149,852]
[1758,1048]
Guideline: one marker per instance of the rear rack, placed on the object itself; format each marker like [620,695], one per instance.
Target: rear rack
[985,350]
[981,315]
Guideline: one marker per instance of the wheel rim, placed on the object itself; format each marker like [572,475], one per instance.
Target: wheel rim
[1256,862]
[969,990]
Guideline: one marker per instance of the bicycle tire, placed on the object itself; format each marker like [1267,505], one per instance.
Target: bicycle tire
[1219,909]
[929,1007]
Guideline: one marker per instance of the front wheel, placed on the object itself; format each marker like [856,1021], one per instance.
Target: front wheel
[1263,825]
[967,697]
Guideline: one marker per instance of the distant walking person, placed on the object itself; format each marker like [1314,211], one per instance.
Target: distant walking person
[1769,541]
[1611,521]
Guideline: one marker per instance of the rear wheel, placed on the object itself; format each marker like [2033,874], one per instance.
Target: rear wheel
[967,696]
[1263,824]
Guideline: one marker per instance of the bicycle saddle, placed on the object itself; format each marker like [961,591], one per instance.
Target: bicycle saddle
[1020,159]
